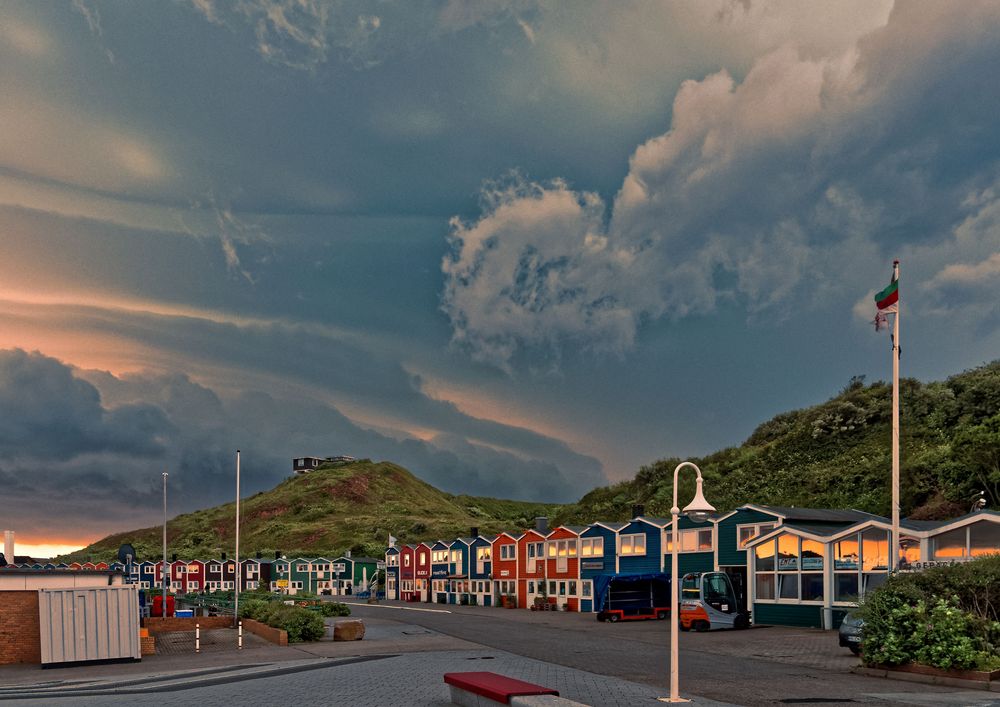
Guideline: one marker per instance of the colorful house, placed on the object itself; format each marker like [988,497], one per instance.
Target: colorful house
[640,546]
[281,576]
[364,569]
[320,576]
[439,572]
[393,587]
[562,566]
[458,571]
[213,575]
[422,574]
[300,576]
[504,565]
[531,567]
[407,572]
[255,572]
[481,570]
[598,556]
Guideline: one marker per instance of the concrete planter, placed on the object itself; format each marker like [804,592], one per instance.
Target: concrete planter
[913,672]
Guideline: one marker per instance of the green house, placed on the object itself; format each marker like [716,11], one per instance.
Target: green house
[300,576]
[281,576]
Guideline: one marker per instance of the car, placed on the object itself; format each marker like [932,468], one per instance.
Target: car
[851,630]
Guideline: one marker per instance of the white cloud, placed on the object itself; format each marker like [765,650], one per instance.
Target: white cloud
[965,274]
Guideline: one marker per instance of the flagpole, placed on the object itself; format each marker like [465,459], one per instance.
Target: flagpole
[236,596]
[894,544]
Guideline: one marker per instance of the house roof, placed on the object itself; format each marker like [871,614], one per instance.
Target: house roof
[830,515]
[613,525]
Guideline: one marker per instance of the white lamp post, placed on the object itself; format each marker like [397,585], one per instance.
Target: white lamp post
[697,510]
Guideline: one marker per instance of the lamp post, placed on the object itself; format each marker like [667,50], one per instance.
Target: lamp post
[697,510]
[165,571]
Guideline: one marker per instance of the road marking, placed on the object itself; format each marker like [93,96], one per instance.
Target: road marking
[400,608]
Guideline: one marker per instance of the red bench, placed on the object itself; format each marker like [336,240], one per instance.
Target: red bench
[498,688]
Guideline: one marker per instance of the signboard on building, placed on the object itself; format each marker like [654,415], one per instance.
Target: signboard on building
[592,565]
[281,583]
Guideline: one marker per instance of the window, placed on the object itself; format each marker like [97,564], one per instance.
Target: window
[562,589]
[507,552]
[634,544]
[531,587]
[552,588]
[296,585]
[147,570]
[696,540]
[747,532]
[531,549]
[562,548]
[301,568]
[482,554]
[790,569]
[406,560]
[456,555]
[591,547]
[585,586]
[572,589]
[984,538]
[215,568]
[252,585]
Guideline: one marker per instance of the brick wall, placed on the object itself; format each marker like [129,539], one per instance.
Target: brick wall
[157,624]
[19,629]
[268,633]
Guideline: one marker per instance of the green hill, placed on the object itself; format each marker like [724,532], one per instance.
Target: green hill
[336,508]
[838,455]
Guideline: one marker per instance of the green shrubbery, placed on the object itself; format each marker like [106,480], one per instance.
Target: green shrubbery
[946,617]
[300,624]
[333,608]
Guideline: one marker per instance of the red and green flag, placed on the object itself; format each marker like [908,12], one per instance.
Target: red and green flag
[887,300]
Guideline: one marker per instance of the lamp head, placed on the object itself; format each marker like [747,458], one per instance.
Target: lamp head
[699,508]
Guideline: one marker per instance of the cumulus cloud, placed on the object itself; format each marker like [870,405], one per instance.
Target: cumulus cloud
[756,195]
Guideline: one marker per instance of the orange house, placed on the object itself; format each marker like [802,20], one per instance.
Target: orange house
[530,567]
[505,567]
[562,566]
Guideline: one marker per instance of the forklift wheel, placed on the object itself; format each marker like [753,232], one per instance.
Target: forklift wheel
[613,618]
[684,627]
[702,626]
[741,622]
[661,615]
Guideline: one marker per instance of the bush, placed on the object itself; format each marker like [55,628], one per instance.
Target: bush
[945,617]
[334,608]
[254,609]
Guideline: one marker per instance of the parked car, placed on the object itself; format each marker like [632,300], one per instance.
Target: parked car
[851,630]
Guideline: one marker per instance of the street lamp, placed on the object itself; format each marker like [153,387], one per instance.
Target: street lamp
[698,511]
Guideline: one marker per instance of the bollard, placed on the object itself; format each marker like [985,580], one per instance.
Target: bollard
[197,638]
[241,635]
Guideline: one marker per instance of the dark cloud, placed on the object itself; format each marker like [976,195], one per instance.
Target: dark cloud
[94,449]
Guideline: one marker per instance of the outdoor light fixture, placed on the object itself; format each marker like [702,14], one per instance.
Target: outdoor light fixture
[698,511]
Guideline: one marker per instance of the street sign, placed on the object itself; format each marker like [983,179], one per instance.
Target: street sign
[281,583]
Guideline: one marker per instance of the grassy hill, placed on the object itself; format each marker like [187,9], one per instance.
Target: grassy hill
[838,455]
[335,508]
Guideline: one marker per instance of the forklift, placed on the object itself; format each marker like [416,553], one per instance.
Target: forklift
[708,602]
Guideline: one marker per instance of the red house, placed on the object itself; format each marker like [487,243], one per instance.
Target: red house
[505,568]
[422,572]
[407,568]
[530,567]
[562,566]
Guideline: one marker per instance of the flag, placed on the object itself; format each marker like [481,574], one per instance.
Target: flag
[887,301]
[392,541]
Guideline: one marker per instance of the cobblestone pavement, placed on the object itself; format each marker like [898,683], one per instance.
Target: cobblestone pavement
[212,641]
[414,679]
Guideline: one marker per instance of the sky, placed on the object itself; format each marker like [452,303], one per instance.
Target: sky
[520,247]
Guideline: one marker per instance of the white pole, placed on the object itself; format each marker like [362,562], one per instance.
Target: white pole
[197,638]
[236,602]
[675,587]
[894,543]
[163,613]
[241,636]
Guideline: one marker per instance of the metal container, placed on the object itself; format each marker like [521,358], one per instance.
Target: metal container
[92,624]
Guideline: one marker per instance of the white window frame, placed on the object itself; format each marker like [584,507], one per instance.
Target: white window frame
[592,547]
[627,544]
[796,573]
[758,530]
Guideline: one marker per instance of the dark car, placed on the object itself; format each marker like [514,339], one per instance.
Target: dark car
[851,631]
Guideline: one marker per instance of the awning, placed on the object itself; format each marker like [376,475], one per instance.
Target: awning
[602,583]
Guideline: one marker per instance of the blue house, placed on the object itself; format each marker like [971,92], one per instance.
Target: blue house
[458,571]
[640,544]
[598,556]
[481,570]
[392,573]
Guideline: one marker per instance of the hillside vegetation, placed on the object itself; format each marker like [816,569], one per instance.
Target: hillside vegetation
[336,508]
[838,455]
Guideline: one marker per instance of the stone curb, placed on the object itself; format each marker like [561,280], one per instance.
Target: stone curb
[928,679]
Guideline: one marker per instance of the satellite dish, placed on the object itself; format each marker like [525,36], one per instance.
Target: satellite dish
[126,554]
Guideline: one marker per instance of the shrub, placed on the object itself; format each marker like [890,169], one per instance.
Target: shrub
[300,624]
[945,617]
[254,609]
[334,608]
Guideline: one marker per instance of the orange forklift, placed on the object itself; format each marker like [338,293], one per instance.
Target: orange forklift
[708,602]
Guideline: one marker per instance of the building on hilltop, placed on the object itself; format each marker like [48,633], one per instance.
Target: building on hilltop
[303,465]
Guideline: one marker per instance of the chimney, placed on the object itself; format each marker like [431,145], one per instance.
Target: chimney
[638,510]
[259,555]
[173,558]
[542,524]
[348,554]
[223,557]
[277,554]
[474,532]
[8,544]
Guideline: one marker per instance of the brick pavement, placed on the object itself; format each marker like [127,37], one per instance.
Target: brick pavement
[212,641]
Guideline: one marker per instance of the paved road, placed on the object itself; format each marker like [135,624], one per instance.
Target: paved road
[763,666]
